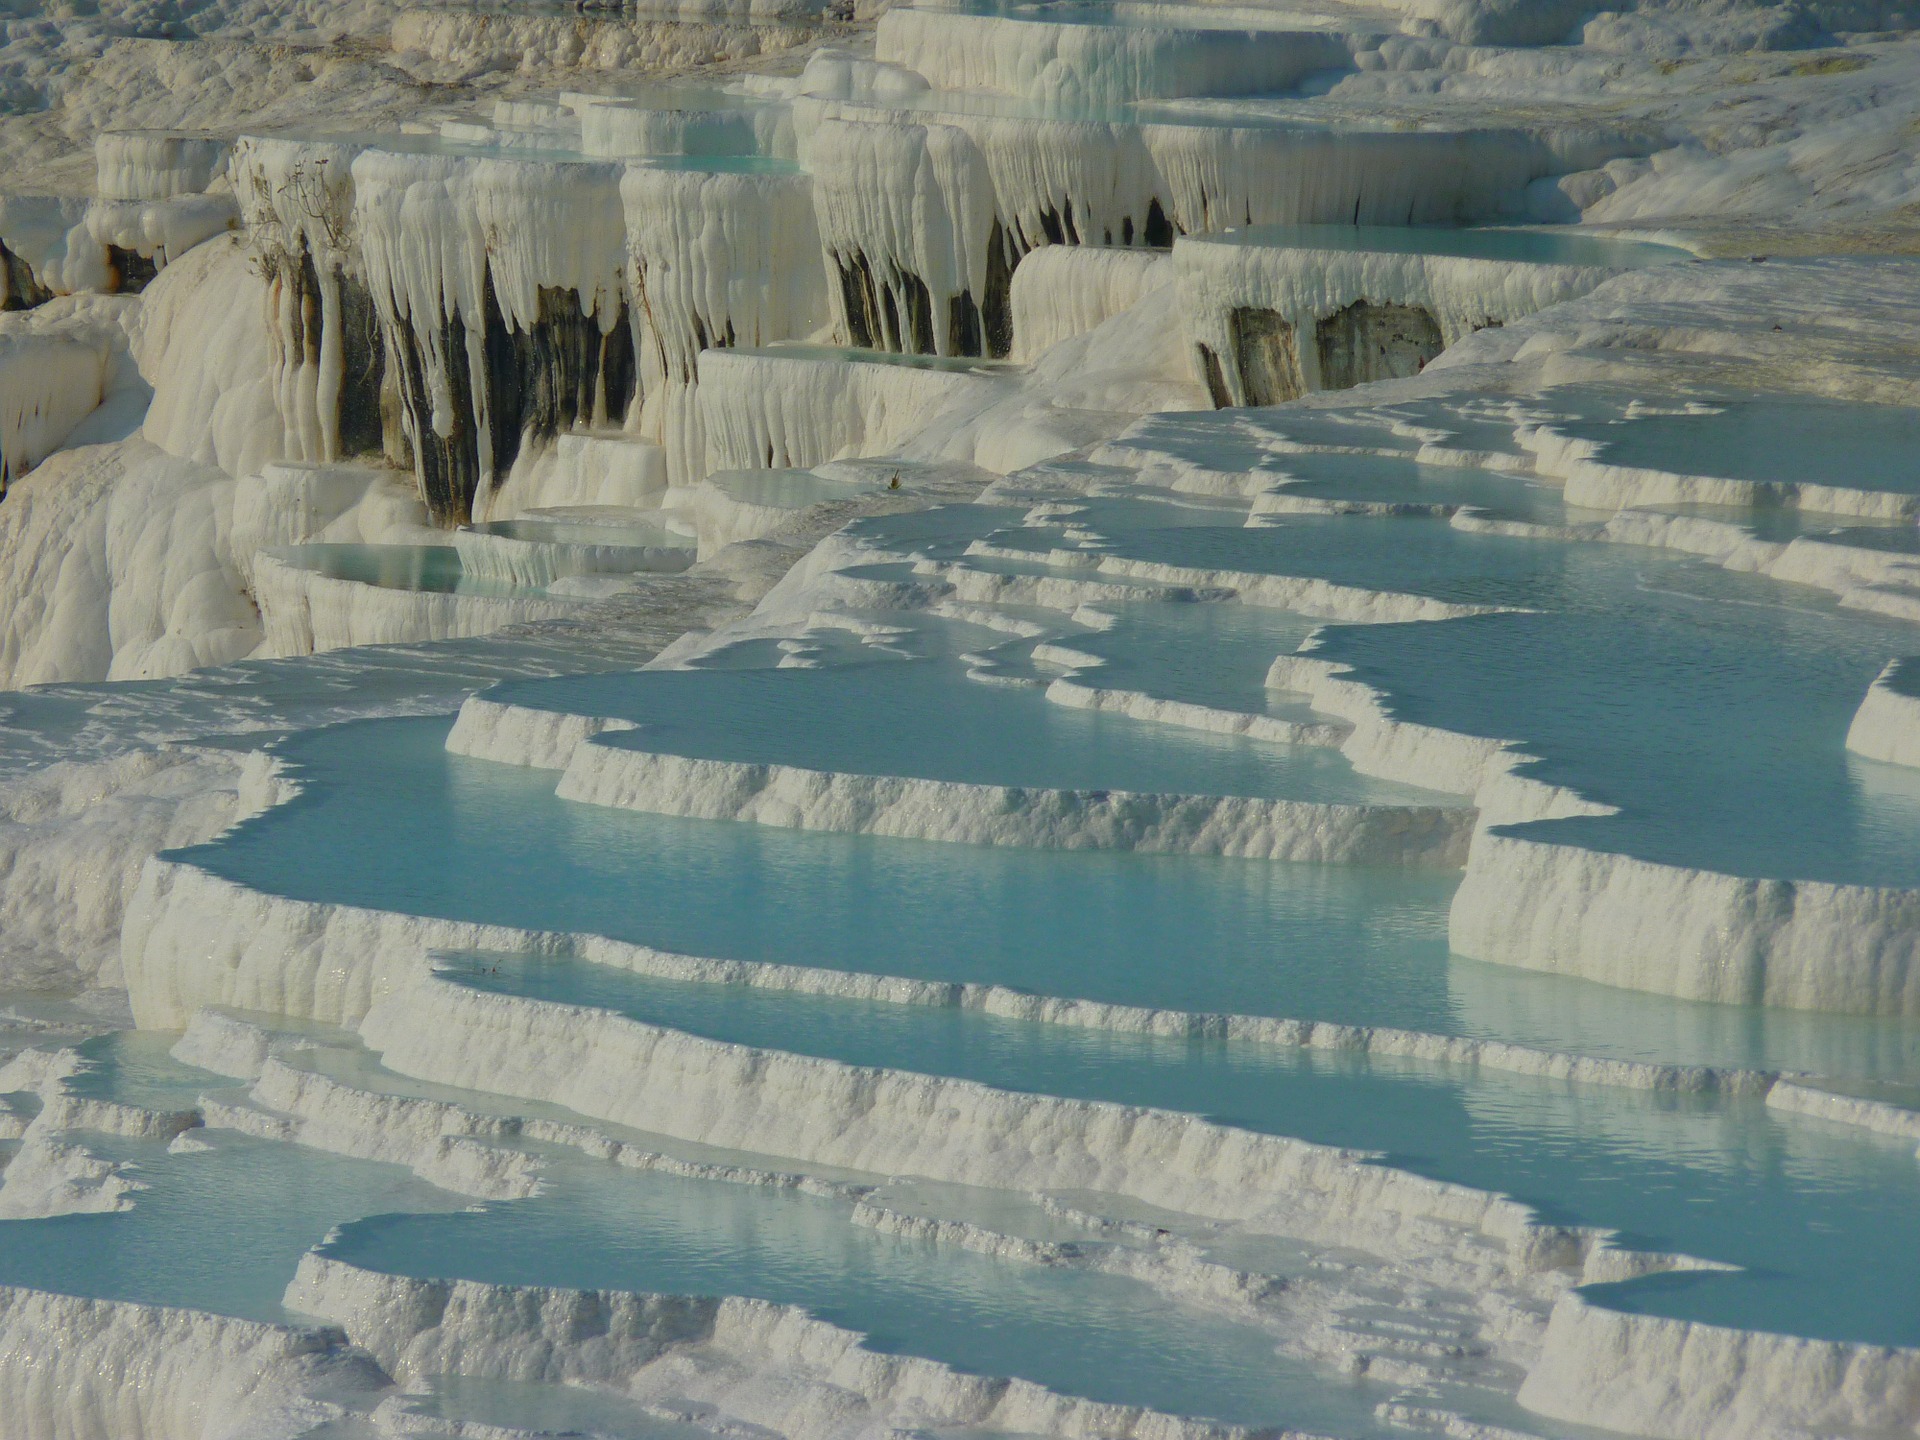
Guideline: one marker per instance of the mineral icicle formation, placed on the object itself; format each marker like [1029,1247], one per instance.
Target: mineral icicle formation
[1154,721]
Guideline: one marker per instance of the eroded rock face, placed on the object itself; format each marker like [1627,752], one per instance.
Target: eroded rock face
[1367,342]
[896,310]
[537,382]
[326,329]
[1213,377]
[131,271]
[875,320]
[1267,356]
[20,288]
[446,457]
[562,370]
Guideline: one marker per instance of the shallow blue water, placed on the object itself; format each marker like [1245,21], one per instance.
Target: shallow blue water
[1899,539]
[435,568]
[1662,711]
[223,1230]
[1160,509]
[220,1230]
[562,149]
[389,820]
[1407,553]
[1086,1334]
[66,722]
[1262,438]
[1711,707]
[785,489]
[1782,523]
[1711,769]
[1773,438]
[1827,1216]
[1395,480]
[636,532]
[673,94]
[942,530]
[136,1067]
[1216,655]
[1543,246]
[926,718]
[720,164]
[545,1409]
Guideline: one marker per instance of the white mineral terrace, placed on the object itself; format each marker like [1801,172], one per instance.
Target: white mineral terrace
[1139,720]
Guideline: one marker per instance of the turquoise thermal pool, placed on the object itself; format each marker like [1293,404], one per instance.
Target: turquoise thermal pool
[784,489]
[433,568]
[925,718]
[1063,922]
[1631,674]
[222,1229]
[1391,481]
[277,854]
[1081,1333]
[1771,439]
[1543,246]
[1806,1208]
[1347,943]
[598,529]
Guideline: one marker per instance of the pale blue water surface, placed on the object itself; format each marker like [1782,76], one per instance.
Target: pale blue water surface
[1214,655]
[1712,707]
[434,568]
[1542,246]
[220,1230]
[1707,705]
[223,1229]
[925,718]
[856,903]
[255,698]
[1775,439]
[603,529]
[1819,1214]
[785,489]
[389,820]
[1081,1333]
[1397,480]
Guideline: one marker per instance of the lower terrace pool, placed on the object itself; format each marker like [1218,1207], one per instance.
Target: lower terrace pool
[786,489]
[589,525]
[1213,655]
[261,697]
[1813,1211]
[434,568]
[222,1229]
[1075,1331]
[1485,429]
[387,819]
[543,1409]
[218,1229]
